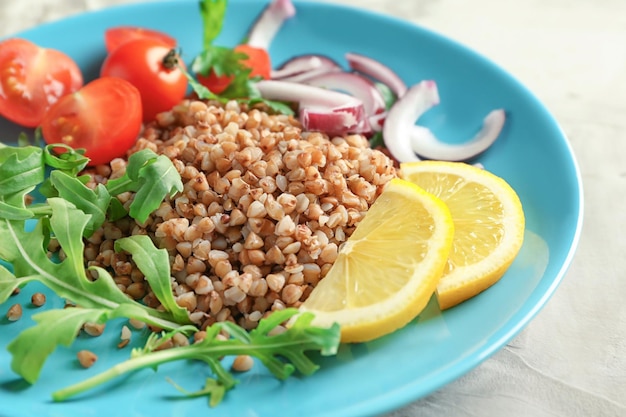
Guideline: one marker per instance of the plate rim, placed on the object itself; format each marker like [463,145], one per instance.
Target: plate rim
[405,394]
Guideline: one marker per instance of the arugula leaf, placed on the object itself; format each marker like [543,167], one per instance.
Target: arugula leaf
[77,212]
[155,340]
[100,299]
[13,212]
[70,160]
[214,389]
[67,278]
[8,284]
[116,210]
[20,169]
[92,202]
[300,337]
[54,327]
[156,267]
[153,177]
[160,179]
[282,353]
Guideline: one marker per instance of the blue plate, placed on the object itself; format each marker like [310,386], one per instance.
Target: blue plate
[533,155]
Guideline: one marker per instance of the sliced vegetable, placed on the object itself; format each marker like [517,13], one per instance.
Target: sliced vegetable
[116,36]
[305,95]
[320,109]
[104,118]
[355,85]
[269,23]
[153,67]
[336,121]
[303,67]
[426,145]
[402,117]
[32,79]
[378,71]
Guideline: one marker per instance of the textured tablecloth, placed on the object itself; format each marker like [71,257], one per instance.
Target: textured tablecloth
[571,359]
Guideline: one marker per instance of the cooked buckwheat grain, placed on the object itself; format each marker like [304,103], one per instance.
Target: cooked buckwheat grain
[264,210]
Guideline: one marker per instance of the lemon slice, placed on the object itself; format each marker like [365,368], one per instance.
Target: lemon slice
[488,225]
[389,268]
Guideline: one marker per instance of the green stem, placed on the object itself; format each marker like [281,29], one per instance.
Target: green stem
[40,210]
[160,320]
[153,359]
[114,372]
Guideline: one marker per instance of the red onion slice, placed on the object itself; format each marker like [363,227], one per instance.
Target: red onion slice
[320,109]
[303,67]
[378,71]
[337,121]
[269,23]
[402,116]
[377,121]
[305,95]
[306,76]
[355,85]
[426,145]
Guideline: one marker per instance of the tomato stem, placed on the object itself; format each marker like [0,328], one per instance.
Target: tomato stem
[170,60]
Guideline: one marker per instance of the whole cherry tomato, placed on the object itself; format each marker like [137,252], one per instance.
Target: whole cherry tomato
[103,117]
[153,67]
[115,36]
[32,78]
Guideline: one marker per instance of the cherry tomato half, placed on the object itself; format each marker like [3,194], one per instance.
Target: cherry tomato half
[258,61]
[116,36]
[32,78]
[104,117]
[151,66]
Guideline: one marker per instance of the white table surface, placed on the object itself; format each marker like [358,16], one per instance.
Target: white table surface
[571,359]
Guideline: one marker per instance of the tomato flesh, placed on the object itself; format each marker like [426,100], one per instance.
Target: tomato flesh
[103,117]
[32,79]
[116,36]
[141,62]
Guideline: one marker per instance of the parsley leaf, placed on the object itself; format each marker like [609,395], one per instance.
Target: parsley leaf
[220,60]
[212,13]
